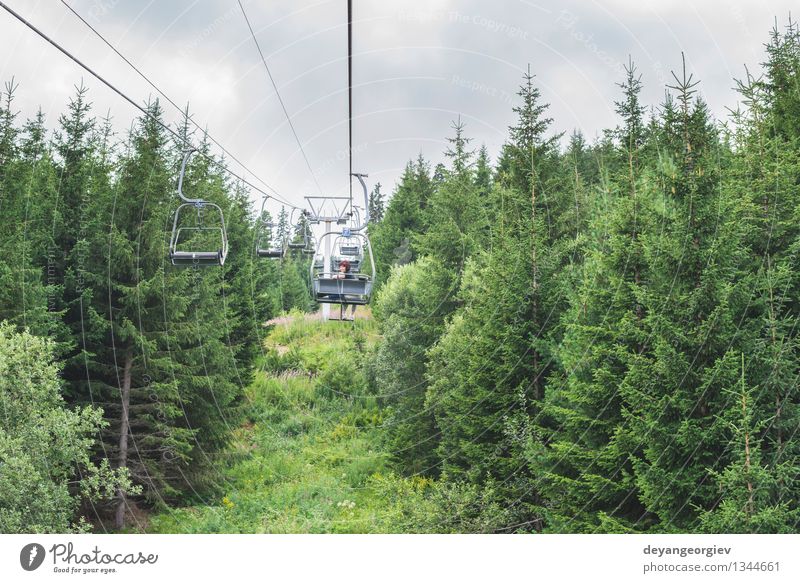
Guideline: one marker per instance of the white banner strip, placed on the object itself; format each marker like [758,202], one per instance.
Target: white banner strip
[409,558]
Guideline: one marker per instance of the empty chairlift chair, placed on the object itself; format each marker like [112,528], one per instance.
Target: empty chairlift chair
[306,244]
[266,245]
[270,252]
[184,249]
[348,248]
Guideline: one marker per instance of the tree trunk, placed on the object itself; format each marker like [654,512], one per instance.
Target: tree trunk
[749,507]
[774,336]
[537,389]
[124,426]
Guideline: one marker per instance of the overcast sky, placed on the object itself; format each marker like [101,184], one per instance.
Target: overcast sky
[418,65]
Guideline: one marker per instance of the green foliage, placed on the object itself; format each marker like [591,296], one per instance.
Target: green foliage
[756,498]
[164,351]
[456,222]
[46,469]
[292,286]
[411,308]
[393,238]
[377,205]
[421,505]
[584,337]
[585,373]
[489,368]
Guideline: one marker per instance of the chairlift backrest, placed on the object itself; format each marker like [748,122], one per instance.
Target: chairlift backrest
[196,257]
[266,245]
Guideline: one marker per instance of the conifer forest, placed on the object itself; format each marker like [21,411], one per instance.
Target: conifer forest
[572,334]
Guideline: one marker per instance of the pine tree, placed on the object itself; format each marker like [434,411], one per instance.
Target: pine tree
[127,361]
[487,372]
[82,182]
[283,228]
[376,204]
[692,304]
[631,133]
[393,239]
[23,294]
[455,217]
[756,497]
[763,173]
[483,173]
[586,472]
[781,71]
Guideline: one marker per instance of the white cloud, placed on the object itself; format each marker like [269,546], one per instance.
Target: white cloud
[418,65]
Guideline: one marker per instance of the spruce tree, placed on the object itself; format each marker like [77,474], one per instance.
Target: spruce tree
[376,204]
[585,471]
[757,497]
[692,304]
[393,239]
[488,371]
[23,170]
[456,218]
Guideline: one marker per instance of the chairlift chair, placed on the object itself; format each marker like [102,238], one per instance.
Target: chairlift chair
[193,257]
[265,240]
[346,246]
[306,245]
[330,288]
[327,286]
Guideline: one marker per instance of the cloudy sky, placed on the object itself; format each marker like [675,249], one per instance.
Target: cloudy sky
[418,65]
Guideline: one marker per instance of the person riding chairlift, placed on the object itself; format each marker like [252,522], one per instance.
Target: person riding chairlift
[344,273]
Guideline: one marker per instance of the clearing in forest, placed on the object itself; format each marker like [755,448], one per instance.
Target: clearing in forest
[308,459]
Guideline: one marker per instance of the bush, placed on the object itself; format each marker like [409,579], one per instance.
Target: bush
[45,448]
[343,378]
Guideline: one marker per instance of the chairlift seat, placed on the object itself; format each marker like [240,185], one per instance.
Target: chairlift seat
[270,253]
[196,258]
[355,264]
[349,290]
[348,300]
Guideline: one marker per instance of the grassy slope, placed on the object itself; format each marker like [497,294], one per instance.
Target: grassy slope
[309,459]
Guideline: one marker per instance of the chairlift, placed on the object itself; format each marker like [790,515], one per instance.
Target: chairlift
[306,245]
[182,251]
[354,287]
[347,247]
[266,244]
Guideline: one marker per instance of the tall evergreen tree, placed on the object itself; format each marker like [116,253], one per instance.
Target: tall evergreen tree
[491,363]
[763,173]
[693,302]
[757,497]
[393,239]
[456,221]
[376,204]
[585,470]
[23,170]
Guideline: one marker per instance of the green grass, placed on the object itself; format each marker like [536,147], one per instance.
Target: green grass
[309,458]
